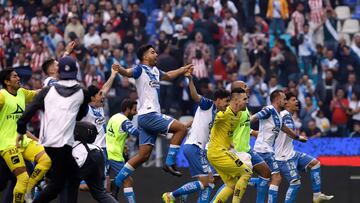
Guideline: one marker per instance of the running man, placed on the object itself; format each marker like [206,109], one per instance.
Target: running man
[270,126]
[194,147]
[151,121]
[233,171]
[117,130]
[13,99]
[291,161]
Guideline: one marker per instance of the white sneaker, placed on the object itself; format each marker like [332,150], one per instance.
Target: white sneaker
[322,197]
[28,197]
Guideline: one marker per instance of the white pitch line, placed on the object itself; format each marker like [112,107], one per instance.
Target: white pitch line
[354,177]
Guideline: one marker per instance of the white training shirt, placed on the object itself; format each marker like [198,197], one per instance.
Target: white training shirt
[284,148]
[203,120]
[270,125]
[96,116]
[49,81]
[147,81]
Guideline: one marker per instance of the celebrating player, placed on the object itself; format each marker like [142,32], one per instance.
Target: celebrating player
[194,147]
[232,170]
[151,121]
[291,161]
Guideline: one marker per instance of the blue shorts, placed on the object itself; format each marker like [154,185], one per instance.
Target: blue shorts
[198,163]
[116,166]
[290,168]
[151,125]
[269,159]
[255,158]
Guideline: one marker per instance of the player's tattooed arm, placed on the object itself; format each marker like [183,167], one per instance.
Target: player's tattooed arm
[106,87]
[193,93]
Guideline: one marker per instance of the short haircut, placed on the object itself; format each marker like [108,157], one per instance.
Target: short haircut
[46,64]
[93,90]
[5,75]
[237,91]
[289,95]
[221,94]
[127,104]
[275,94]
[142,50]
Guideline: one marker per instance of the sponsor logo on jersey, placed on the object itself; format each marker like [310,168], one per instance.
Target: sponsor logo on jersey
[16,114]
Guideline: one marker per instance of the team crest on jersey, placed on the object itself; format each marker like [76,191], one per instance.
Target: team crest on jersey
[166,117]
[154,84]
[100,121]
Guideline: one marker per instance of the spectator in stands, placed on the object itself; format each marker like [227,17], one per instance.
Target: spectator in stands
[306,111]
[330,34]
[330,63]
[109,34]
[355,47]
[38,57]
[89,15]
[76,27]
[311,130]
[277,13]
[298,19]
[136,13]
[306,49]
[197,44]
[321,122]
[92,38]
[339,106]
[354,110]
[325,92]
[52,39]
[351,86]
[258,95]
[347,63]
[229,20]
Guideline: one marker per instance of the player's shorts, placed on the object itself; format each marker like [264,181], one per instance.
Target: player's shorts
[269,159]
[290,168]
[213,170]
[151,125]
[198,163]
[228,165]
[116,166]
[14,157]
[255,158]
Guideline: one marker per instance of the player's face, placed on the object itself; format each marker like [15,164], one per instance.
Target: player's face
[151,56]
[293,104]
[14,81]
[282,100]
[54,69]
[99,99]
[133,112]
[243,101]
[221,104]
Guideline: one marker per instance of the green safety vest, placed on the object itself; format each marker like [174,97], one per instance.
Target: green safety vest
[115,137]
[241,137]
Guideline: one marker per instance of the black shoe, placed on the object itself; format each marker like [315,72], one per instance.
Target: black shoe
[172,170]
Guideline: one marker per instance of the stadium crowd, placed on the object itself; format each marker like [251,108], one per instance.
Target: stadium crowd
[308,47]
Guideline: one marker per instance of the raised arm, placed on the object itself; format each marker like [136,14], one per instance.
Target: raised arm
[69,48]
[106,87]
[193,93]
[292,134]
[126,72]
[168,76]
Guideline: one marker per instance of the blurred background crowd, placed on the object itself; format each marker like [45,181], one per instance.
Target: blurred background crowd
[308,47]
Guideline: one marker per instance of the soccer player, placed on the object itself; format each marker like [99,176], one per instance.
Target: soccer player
[63,104]
[13,99]
[117,130]
[95,113]
[291,161]
[270,126]
[241,141]
[151,121]
[233,171]
[51,67]
[194,147]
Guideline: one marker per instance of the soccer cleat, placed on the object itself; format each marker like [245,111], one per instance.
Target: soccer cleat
[167,198]
[172,170]
[322,197]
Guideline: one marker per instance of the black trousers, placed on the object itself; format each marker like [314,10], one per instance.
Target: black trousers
[93,173]
[63,170]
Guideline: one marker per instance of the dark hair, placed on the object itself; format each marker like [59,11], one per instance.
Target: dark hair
[5,75]
[127,104]
[46,64]
[237,91]
[93,90]
[141,51]
[275,94]
[289,95]
[221,94]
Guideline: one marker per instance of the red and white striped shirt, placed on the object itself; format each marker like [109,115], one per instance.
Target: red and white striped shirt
[200,70]
[90,78]
[8,25]
[298,20]
[316,7]
[63,8]
[38,59]
[88,17]
[18,21]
